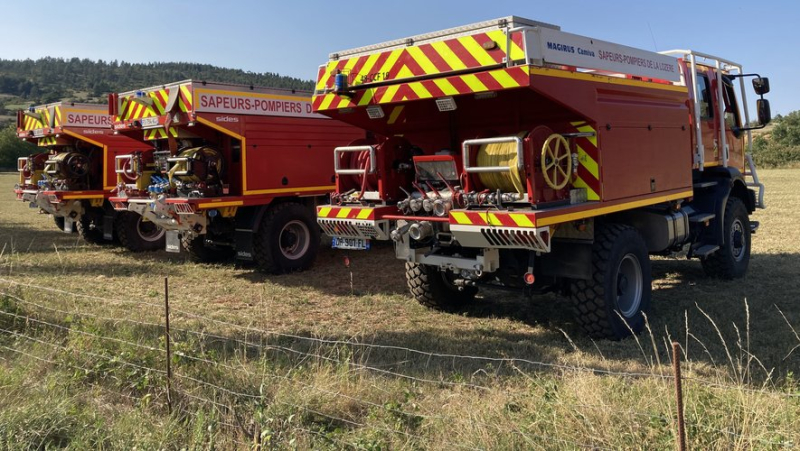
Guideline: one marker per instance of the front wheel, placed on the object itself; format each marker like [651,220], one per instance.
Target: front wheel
[137,234]
[287,239]
[733,257]
[434,288]
[612,303]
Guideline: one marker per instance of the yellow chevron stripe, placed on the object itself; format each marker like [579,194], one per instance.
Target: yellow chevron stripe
[188,94]
[460,217]
[367,98]
[444,51]
[420,90]
[323,212]
[364,213]
[423,61]
[521,220]
[367,67]
[343,212]
[395,114]
[343,103]
[589,129]
[588,162]
[590,193]
[182,105]
[326,101]
[477,52]
[504,79]
[474,84]
[389,94]
[500,38]
[446,87]
[391,60]
[59,118]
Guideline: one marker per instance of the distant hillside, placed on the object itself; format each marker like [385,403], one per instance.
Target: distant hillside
[27,82]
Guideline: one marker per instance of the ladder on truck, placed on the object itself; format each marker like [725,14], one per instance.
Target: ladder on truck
[750,173]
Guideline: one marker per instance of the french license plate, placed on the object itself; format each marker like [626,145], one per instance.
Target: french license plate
[360,244]
[149,122]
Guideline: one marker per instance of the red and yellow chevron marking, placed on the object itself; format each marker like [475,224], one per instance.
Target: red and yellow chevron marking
[465,52]
[364,214]
[588,174]
[47,141]
[159,133]
[497,219]
[34,123]
[132,110]
[494,80]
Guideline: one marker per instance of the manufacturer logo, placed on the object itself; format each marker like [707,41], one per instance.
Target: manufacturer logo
[227,119]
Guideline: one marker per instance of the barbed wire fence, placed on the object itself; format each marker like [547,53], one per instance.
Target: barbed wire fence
[182,361]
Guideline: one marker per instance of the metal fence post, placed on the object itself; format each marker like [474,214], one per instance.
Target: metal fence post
[169,352]
[676,365]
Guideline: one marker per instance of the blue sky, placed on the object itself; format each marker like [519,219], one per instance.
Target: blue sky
[293,38]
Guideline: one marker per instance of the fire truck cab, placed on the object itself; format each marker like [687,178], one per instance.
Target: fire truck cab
[510,153]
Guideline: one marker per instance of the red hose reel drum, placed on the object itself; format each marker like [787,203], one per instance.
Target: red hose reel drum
[388,154]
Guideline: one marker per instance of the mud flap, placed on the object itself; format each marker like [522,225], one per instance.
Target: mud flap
[69,225]
[108,227]
[173,238]
[247,220]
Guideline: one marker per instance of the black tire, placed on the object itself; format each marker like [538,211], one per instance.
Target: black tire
[138,235]
[733,257]
[90,226]
[432,288]
[287,239]
[620,286]
[60,223]
[202,252]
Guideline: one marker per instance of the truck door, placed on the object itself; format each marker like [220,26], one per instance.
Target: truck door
[734,137]
[707,105]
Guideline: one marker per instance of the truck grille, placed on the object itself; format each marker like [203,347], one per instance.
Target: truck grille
[515,238]
[352,229]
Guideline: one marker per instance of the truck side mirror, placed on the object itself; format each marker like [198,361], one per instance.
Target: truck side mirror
[761,86]
[764,113]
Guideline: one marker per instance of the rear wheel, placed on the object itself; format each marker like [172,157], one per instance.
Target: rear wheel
[733,257]
[137,234]
[90,226]
[612,302]
[202,251]
[434,288]
[287,239]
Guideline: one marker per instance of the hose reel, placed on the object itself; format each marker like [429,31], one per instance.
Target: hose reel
[198,164]
[556,161]
[501,154]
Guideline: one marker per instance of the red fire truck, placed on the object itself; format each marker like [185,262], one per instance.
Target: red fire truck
[518,155]
[73,179]
[237,170]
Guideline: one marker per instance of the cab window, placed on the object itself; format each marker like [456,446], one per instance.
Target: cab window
[732,119]
[703,93]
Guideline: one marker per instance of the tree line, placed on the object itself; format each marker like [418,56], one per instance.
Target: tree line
[52,79]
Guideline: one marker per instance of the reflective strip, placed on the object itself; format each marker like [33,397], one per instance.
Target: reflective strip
[343,212]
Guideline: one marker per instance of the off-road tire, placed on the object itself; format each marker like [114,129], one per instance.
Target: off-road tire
[430,287]
[135,235]
[724,264]
[90,226]
[275,238]
[595,301]
[201,252]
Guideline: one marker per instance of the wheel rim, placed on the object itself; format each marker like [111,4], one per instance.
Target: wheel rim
[148,231]
[737,240]
[629,286]
[294,240]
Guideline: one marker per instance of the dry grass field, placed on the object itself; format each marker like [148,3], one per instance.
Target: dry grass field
[341,357]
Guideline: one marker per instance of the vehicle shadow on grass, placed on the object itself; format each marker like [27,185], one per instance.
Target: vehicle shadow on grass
[24,239]
[712,319]
[440,352]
